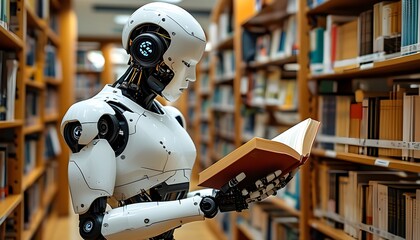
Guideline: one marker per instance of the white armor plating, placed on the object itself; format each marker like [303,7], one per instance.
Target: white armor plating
[87,169]
[144,220]
[159,149]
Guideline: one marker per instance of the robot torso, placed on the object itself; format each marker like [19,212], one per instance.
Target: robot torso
[158,149]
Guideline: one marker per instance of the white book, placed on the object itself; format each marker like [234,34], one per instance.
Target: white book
[12,66]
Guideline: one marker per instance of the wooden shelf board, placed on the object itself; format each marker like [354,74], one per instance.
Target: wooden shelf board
[53,81]
[399,65]
[283,205]
[368,160]
[9,40]
[224,80]
[225,44]
[330,231]
[33,20]
[11,124]
[342,7]
[270,63]
[7,206]
[33,128]
[53,37]
[35,84]
[271,14]
[52,117]
[88,71]
[31,177]
[222,109]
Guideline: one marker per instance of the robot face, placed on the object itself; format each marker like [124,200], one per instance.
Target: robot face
[186,46]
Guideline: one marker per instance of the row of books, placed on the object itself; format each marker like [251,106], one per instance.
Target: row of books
[269,88]
[223,97]
[87,85]
[8,17]
[225,65]
[31,204]
[40,7]
[391,118]
[32,108]
[32,47]
[266,221]
[222,147]
[88,58]
[222,29]
[52,67]
[223,124]
[367,204]
[205,109]
[275,44]
[204,155]
[388,29]
[31,150]
[52,146]
[204,83]
[8,74]
[51,100]
[4,156]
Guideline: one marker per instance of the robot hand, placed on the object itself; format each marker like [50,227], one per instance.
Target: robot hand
[231,198]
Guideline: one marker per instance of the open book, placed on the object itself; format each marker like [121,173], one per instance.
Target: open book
[259,157]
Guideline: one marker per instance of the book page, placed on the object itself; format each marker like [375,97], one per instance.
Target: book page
[300,137]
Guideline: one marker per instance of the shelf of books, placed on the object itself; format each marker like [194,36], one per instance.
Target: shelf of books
[364,58]
[30,149]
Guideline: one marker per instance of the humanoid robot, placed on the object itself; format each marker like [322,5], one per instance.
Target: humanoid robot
[128,148]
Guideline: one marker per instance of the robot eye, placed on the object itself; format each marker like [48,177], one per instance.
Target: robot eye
[146,48]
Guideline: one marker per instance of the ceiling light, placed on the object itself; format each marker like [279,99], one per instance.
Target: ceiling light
[171,1]
[121,19]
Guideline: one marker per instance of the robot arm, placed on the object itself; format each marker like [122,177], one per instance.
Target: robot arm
[86,127]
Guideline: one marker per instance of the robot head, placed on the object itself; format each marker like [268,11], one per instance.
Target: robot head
[161,34]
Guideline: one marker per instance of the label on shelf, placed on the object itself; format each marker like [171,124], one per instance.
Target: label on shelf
[367,228]
[381,162]
[330,153]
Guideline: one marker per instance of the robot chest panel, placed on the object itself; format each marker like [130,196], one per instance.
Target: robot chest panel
[157,144]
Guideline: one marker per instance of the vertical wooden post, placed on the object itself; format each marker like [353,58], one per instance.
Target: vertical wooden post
[107,76]
[68,32]
[303,60]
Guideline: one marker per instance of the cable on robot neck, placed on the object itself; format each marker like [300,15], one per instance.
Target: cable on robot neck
[134,86]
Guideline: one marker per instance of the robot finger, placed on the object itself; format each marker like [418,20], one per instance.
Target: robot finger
[233,182]
[266,180]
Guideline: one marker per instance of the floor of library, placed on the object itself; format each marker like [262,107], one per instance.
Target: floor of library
[67,229]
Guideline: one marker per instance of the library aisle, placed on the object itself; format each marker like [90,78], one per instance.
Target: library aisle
[67,229]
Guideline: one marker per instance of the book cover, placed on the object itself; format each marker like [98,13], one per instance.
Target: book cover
[259,157]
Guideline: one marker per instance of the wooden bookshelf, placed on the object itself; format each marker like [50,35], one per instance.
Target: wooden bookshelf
[329,231]
[384,69]
[19,130]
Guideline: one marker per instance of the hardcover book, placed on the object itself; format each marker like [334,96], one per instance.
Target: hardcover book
[259,157]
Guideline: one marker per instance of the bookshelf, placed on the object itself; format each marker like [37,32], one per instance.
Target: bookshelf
[34,97]
[370,78]
[233,112]
[323,71]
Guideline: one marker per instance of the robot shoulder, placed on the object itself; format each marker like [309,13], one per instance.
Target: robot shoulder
[80,122]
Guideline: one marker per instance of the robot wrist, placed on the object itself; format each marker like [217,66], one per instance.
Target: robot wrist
[232,201]
[209,206]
